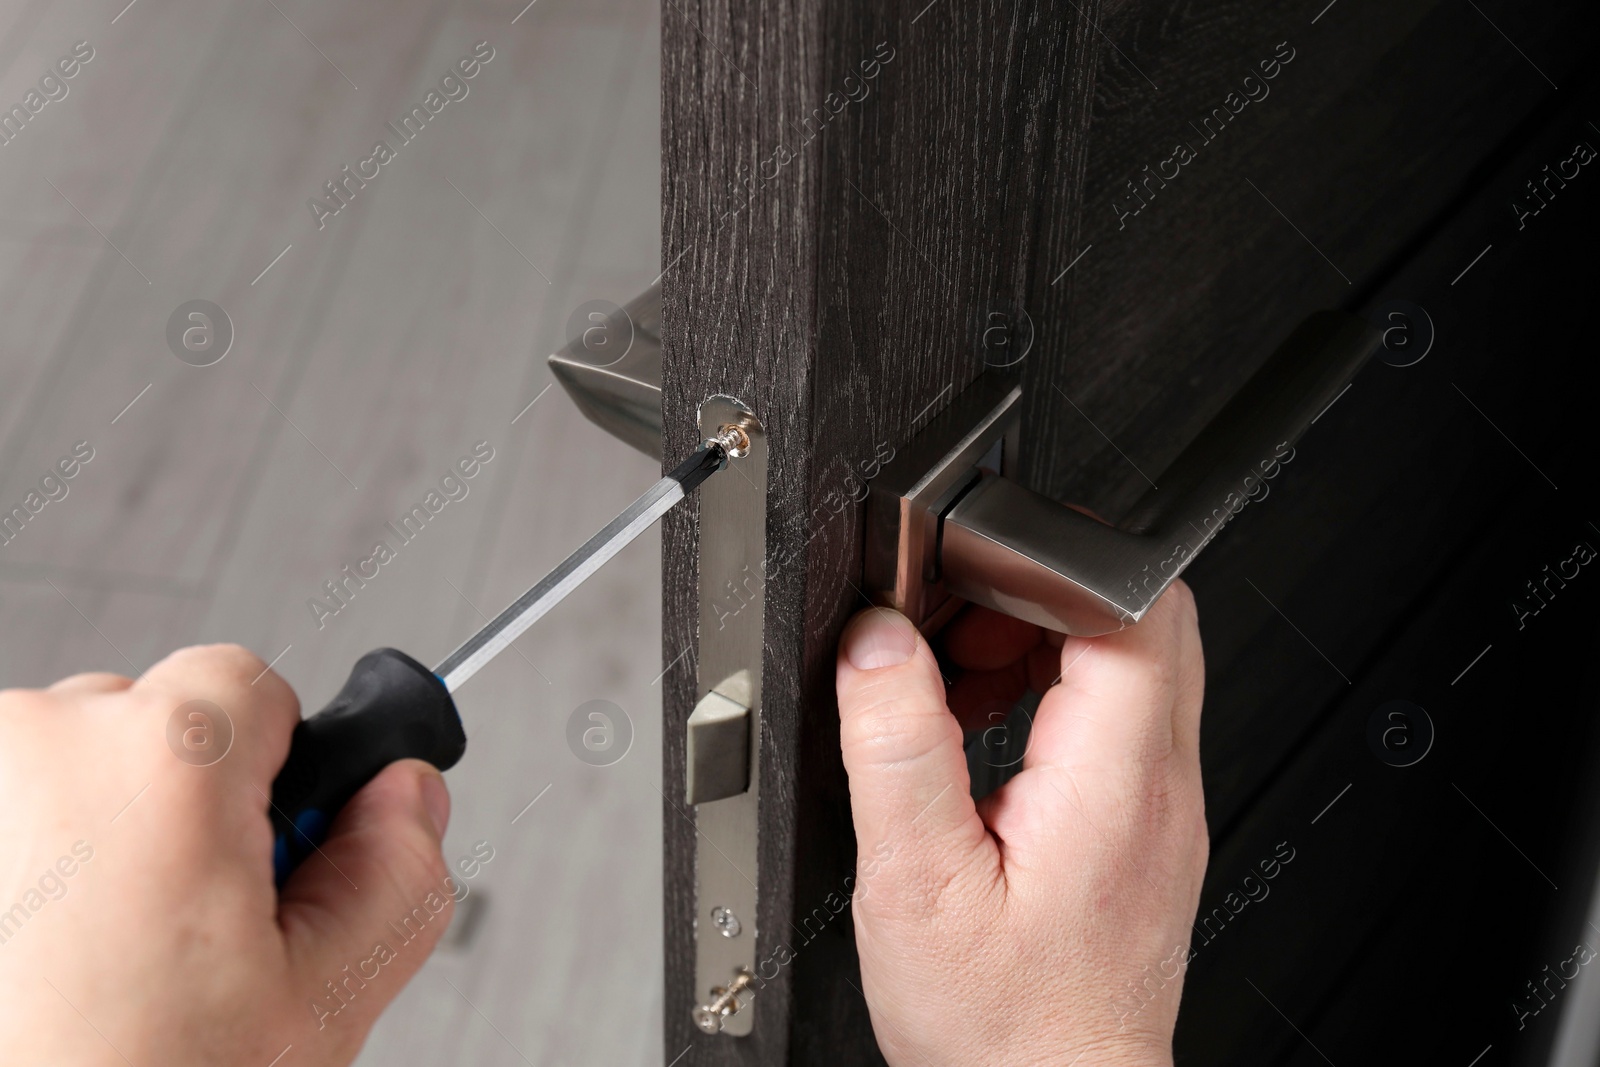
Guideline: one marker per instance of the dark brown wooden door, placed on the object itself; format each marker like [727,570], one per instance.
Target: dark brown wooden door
[1148,197]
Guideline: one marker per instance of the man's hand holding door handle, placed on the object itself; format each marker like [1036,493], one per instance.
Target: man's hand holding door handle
[1024,929]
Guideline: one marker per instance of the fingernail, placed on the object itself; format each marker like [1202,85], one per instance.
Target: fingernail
[436,798]
[879,638]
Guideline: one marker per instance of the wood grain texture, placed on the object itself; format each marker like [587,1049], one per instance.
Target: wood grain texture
[1377,124]
[1396,542]
[841,299]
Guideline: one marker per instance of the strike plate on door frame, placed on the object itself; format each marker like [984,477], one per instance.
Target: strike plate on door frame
[723,768]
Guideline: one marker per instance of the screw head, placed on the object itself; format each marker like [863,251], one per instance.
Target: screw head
[734,440]
[726,922]
[707,1020]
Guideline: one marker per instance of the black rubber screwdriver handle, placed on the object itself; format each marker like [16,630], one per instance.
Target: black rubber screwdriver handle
[391,708]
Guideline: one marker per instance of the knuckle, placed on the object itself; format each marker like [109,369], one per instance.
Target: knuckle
[86,679]
[237,658]
[429,867]
[1183,601]
[1167,802]
[433,864]
[930,888]
[1159,802]
[1162,677]
[19,702]
[219,659]
[891,726]
[1149,746]
[149,705]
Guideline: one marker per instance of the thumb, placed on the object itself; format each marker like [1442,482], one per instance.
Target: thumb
[362,913]
[910,794]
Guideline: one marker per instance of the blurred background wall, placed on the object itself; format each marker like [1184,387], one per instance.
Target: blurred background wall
[371,350]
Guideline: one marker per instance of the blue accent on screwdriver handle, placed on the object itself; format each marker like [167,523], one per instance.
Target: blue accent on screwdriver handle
[391,708]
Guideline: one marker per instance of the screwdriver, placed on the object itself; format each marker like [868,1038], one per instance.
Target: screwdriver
[392,707]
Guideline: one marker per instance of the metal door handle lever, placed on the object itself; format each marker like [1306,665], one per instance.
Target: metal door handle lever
[942,529]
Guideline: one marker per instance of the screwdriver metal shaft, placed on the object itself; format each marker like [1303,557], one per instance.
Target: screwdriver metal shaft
[528,608]
[392,707]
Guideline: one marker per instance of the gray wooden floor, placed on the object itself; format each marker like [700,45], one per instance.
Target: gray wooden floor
[367,360]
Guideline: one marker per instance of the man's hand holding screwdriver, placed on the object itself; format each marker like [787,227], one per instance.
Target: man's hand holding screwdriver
[1009,931]
[170,947]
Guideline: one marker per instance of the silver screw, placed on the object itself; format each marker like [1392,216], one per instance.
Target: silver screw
[726,922]
[724,1002]
[733,440]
